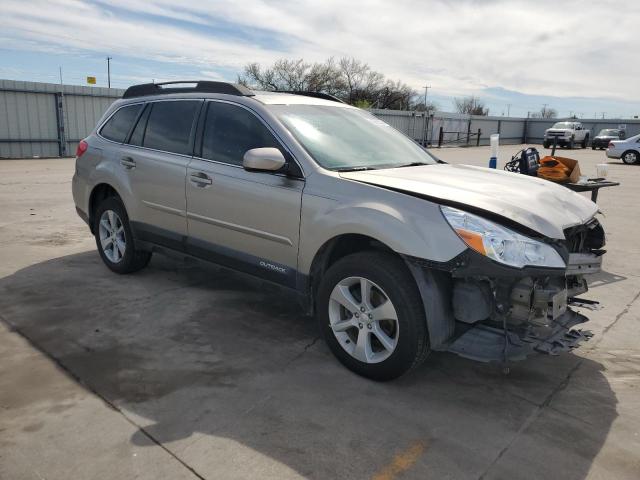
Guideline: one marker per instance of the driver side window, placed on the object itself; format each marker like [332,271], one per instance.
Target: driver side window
[230,130]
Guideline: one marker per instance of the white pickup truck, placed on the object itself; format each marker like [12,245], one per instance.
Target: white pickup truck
[567,134]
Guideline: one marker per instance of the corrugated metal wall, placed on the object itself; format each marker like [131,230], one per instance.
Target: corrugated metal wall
[30,122]
[31,113]
[511,130]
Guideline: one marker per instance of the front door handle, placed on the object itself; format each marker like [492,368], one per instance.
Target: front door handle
[200,179]
[128,163]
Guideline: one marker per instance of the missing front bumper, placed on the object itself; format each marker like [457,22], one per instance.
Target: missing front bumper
[487,344]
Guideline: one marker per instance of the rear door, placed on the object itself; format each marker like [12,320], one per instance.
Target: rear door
[155,161]
[247,220]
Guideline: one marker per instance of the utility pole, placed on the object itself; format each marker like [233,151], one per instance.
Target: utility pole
[426,88]
[508,109]
[603,115]
[62,142]
[544,110]
[109,72]
[426,116]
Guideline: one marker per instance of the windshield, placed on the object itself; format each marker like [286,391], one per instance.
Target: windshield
[343,138]
[607,132]
[562,125]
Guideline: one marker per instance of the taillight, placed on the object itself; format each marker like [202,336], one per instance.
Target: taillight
[610,145]
[82,147]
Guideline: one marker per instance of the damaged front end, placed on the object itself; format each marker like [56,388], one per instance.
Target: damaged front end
[501,313]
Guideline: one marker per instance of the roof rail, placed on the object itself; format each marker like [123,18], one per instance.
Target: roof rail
[324,96]
[199,86]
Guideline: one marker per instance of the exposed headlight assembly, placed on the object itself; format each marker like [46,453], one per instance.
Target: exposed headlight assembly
[500,243]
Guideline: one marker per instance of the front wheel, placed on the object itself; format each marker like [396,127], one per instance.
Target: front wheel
[371,315]
[114,238]
[545,144]
[630,157]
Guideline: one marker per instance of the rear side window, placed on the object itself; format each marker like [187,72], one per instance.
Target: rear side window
[230,131]
[169,126]
[118,126]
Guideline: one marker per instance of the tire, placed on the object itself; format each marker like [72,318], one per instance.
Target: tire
[593,147]
[585,141]
[545,144]
[387,277]
[120,253]
[630,157]
[571,144]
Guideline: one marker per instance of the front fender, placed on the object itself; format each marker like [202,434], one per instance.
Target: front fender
[406,224]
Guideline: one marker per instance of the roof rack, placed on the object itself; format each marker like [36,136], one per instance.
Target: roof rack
[324,96]
[199,86]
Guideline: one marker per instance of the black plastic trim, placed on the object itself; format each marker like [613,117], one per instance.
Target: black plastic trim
[201,86]
[83,215]
[323,96]
[158,236]
[472,264]
[152,237]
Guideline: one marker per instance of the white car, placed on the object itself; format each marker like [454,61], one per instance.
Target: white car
[628,150]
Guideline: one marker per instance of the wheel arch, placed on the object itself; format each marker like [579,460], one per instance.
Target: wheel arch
[434,286]
[100,192]
[333,250]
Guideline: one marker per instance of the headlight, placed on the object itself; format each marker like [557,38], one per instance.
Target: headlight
[500,243]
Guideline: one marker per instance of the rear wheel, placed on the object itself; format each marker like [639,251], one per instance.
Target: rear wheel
[630,157]
[371,315]
[114,238]
[571,144]
[545,144]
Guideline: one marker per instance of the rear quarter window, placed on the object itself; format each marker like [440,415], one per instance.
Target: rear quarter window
[118,126]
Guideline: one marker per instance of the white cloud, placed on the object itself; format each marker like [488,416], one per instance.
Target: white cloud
[543,47]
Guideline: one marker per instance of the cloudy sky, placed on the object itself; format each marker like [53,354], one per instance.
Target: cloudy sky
[575,55]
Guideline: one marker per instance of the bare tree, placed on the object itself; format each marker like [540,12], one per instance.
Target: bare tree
[418,105]
[545,112]
[471,105]
[348,79]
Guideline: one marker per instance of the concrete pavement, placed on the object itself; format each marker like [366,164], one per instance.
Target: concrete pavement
[187,370]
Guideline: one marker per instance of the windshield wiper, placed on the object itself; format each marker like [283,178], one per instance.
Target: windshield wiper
[354,169]
[413,164]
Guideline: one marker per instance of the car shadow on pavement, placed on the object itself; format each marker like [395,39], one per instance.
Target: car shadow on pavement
[227,373]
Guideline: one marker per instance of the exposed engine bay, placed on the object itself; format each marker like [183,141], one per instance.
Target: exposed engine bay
[505,314]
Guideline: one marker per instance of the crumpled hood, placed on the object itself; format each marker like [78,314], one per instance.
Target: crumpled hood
[534,203]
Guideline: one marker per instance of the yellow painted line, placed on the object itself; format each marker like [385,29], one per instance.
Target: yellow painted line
[402,462]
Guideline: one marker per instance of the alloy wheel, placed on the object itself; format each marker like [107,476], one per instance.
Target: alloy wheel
[363,320]
[630,157]
[112,238]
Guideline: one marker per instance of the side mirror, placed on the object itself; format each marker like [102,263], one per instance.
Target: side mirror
[263,159]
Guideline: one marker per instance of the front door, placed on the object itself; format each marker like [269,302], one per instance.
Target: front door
[247,220]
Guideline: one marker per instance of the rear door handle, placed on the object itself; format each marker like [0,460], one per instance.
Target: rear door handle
[200,179]
[128,163]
